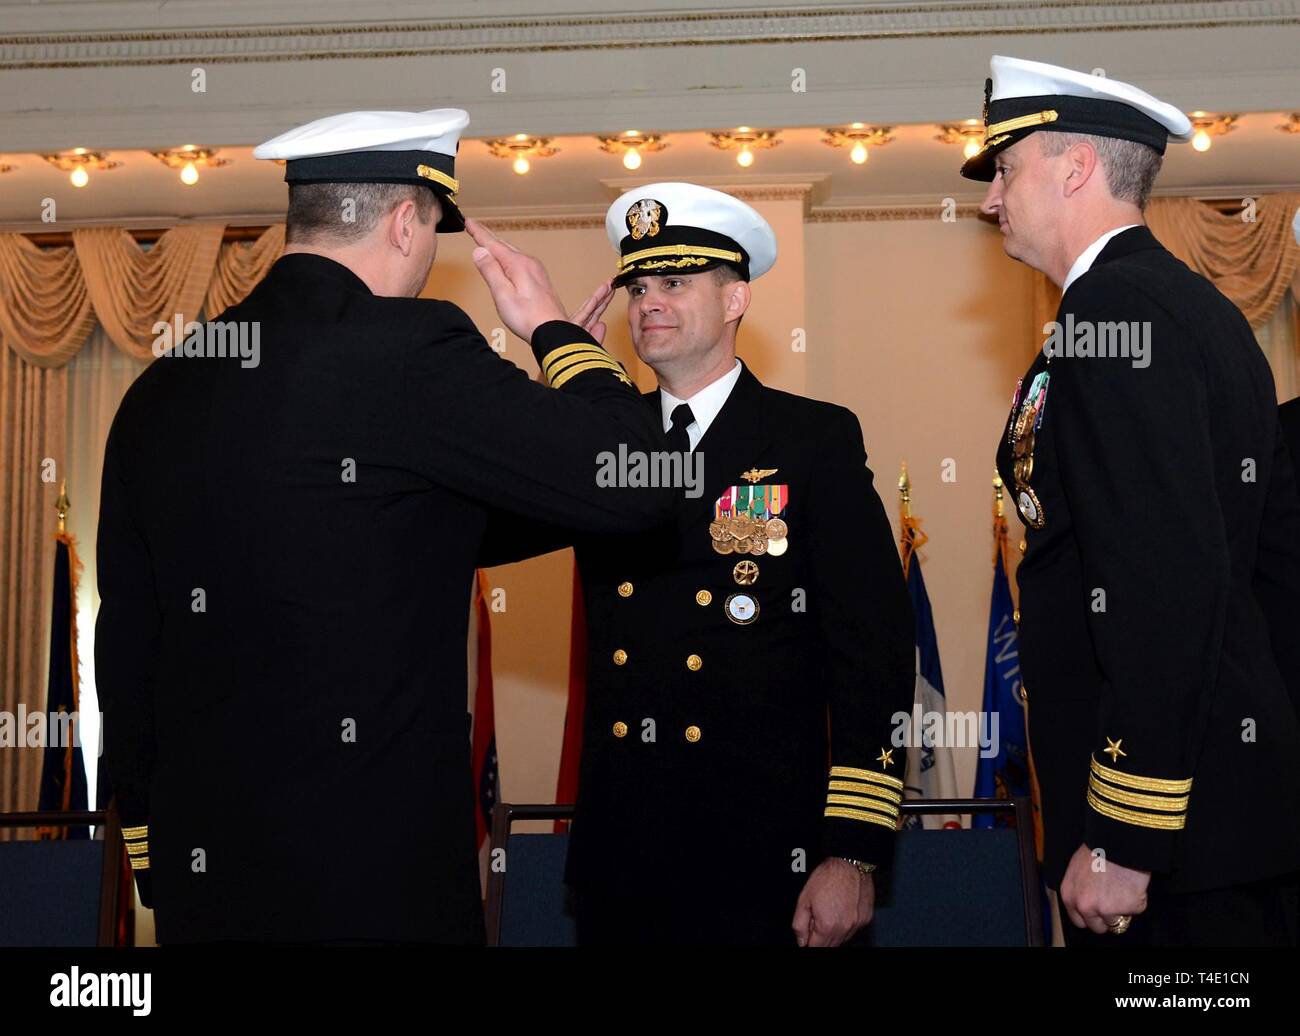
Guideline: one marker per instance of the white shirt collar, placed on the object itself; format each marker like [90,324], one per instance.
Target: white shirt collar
[704,405]
[1089,255]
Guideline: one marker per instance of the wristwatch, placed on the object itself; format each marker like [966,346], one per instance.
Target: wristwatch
[863,868]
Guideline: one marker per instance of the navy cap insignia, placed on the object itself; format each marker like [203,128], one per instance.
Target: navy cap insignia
[644,216]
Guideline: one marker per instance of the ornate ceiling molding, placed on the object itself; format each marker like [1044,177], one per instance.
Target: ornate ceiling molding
[891,213]
[52,47]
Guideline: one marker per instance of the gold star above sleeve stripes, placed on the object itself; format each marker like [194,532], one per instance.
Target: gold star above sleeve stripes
[568,361]
[137,846]
[873,798]
[1155,802]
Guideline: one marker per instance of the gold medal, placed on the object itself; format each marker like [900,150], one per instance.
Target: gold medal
[758,544]
[1025,421]
[724,546]
[743,527]
[777,529]
[717,530]
[778,547]
[1023,468]
[745,573]
[743,545]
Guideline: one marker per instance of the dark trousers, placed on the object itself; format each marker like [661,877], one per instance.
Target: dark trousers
[1261,913]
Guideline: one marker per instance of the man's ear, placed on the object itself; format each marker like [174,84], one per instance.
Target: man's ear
[401,229]
[1082,164]
[736,302]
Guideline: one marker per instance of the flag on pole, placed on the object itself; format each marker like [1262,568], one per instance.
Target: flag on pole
[566,785]
[1008,771]
[1004,774]
[483,753]
[931,773]
[63,771]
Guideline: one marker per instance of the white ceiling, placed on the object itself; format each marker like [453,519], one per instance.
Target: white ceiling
[117,74]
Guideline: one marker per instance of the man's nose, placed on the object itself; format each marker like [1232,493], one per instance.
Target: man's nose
[992,198]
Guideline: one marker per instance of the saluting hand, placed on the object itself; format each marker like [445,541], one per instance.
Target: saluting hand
[836,901]
[587,316]
[520,288]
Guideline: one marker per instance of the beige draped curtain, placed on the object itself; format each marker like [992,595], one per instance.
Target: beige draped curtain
[106,290]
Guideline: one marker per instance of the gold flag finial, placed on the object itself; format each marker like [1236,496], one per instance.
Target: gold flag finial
[62,504]
[905,490]
[997,493]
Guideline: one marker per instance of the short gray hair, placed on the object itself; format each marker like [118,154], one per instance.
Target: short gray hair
[320,211]
[1130,167]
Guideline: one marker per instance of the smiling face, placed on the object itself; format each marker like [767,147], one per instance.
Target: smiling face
[1026,196]
[685,322]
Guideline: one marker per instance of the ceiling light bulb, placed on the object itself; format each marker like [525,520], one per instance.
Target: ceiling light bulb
[521,165]
[859,153]
[1201,140]
[972,147]
[189,174]
[746,158]
[80,177]
[631,158]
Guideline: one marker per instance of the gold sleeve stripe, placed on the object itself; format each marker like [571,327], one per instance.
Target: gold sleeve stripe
[686,250]
[1128,816]
[137,849]
[866,789]
[139,863]
[572,372]
[136,832]
[857,814]
[594,356]
[1128,780]
[557,354]
[859,802]
[867,775]
[1132,798]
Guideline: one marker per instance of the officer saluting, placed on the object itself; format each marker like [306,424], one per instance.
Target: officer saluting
[706,810]
[286,550]
[1144,455]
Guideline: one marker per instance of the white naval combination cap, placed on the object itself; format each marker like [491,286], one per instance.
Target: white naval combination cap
[667,228]
[377,147]
[1023,96]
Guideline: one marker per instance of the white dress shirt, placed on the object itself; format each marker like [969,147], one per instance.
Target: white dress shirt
[1089,255]
[704,405]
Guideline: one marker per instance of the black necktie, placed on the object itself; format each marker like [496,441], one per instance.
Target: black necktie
[678,440]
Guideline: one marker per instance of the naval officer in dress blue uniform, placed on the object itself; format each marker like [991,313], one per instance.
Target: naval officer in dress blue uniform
[1145,458]
[286,550]
[739,782]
